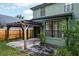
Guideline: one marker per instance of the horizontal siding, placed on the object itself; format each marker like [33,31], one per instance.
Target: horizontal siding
[55,9]
[55,41]
[36,13]
[52,9]
[76,10]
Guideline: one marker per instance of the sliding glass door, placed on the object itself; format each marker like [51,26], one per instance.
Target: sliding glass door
[52,29]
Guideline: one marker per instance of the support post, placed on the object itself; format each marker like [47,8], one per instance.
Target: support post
[67,40]
[7,34]
[25,38]
[67,23]
[27,33]
[20,34]
[24,29]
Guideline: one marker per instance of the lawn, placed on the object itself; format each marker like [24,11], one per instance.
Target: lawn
[7,51]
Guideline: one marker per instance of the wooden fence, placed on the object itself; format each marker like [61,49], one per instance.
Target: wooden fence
[14,34]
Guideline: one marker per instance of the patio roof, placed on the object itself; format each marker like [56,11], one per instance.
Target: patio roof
[52,17]
[14,22]
[26,22]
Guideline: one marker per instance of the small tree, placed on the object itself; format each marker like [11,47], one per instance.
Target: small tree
[20,16]
[72,39]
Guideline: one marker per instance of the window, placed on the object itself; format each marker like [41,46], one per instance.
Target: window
[52,29]
[42,12]
[68,7]
[48,28]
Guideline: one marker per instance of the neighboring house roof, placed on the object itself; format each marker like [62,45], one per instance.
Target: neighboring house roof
[8,19]
[54,16]
[41,5]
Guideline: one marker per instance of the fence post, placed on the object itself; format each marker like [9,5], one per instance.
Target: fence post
[7,34]
[20,34]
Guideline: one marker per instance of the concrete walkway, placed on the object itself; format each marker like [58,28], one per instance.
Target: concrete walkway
[20,44]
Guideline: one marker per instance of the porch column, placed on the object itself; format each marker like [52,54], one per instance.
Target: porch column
[7,33]
[67,40]
[27,33]
[24,36]
[45,28]
[24,29]
[67,23]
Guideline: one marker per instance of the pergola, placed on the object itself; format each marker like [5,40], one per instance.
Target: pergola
[24,25]
[13,22]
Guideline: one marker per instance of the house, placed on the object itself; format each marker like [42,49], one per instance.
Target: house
[55,18]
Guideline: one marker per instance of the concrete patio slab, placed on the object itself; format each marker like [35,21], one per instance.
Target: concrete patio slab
[20,44]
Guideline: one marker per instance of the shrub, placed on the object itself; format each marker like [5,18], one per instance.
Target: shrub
[72,39]
[63,52]
[42,39]
[72,42]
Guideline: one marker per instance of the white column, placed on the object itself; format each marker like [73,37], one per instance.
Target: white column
[25,37]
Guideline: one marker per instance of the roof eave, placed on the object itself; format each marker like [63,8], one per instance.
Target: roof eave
[55,16]
[41,5]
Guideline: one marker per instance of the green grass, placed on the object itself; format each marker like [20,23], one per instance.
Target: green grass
[6,50]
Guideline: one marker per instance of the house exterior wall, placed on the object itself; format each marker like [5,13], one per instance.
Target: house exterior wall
[55,41]
[76,10]
[55,9]
[36,13]
[52,9]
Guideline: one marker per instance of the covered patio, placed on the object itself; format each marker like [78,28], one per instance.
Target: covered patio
[24,42]
[8,22]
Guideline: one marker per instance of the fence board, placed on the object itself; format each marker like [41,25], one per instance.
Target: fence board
[13,34]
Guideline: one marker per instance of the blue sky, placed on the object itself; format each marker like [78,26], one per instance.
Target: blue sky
[13,9]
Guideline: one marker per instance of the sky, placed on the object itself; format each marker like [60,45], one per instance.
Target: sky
[13,9]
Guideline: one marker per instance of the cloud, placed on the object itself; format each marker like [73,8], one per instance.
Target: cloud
[8,7]
[28,14]
[28,5]
[1,6]
[21,4]
[18,5]
[28,11]
[28,17]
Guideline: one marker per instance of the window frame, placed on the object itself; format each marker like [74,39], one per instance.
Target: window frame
[68,7]
[42,11]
